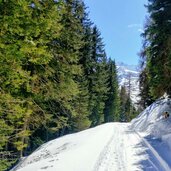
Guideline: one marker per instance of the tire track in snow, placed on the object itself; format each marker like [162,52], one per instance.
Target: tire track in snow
[125,143]
[102,155]
[111,155]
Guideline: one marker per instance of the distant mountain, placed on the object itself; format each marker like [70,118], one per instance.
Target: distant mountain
[128,76]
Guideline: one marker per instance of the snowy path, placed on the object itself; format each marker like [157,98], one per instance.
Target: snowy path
[109,147]
[127,150]
[113,156]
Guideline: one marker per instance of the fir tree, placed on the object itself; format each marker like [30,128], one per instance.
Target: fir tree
[97,79]
[27,29]
[111,111]
[127,108]
[123,99]
[157,47]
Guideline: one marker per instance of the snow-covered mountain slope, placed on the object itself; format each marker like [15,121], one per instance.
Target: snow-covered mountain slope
[142,145]
[128,76]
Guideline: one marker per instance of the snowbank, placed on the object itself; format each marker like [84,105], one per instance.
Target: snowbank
[152,122]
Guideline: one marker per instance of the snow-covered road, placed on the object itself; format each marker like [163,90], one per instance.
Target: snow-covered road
[127,151]
[109,147]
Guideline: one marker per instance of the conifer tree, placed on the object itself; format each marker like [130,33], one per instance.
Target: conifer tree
[27,29]
[97,79]
[65,69]
[157,47]
[81,103]
[123,99]
[111,111]
[81,119]
[127,108]
[146,98]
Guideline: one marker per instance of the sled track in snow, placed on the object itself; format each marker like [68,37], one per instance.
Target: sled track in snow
[160,160]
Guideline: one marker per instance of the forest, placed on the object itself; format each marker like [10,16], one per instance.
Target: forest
[55,76]
[155,77]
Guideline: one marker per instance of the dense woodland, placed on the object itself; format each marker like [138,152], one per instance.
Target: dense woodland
[55,77]
[155,78]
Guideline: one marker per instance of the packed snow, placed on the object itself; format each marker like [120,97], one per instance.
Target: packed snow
[142,145]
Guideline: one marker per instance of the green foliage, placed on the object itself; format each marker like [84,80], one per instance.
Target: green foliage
[127,109]
[81,120]
[5,164]
[112,104]
[97,77]
[157,48]
[146,98]
[26,33]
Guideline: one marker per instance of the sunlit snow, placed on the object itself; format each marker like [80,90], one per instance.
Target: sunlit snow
[142,145]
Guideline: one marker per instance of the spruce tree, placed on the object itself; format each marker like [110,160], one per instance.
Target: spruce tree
[27,28]
[81,119]
[65,69]
[97,79]
[123,99]
[111,111]
[128,111]
[146,98]
[157,47]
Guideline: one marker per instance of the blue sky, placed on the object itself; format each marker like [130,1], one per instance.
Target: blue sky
[120,23]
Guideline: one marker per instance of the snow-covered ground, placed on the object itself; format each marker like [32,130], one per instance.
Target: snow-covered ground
[156,130]
[144,144]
